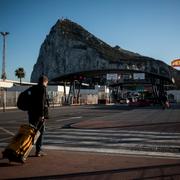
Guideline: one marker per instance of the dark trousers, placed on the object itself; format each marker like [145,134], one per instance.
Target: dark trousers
[34,120]
[39,142]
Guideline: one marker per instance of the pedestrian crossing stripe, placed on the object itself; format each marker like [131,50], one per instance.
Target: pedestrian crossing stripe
[114,136]
[116,151]
[104,130]
[116,130]
[112,141]
[115,141]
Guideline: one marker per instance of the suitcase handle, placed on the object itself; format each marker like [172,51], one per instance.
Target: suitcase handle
[40,124]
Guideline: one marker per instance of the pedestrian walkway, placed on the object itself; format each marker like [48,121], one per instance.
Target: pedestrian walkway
[72,165]
[110,141]
[115,141]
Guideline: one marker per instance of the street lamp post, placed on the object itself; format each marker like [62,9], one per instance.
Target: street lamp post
[3,76]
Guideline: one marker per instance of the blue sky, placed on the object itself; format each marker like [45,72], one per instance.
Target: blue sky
[148,27]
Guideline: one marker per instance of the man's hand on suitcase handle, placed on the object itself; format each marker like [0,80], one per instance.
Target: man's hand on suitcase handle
[42,119]
[40,123]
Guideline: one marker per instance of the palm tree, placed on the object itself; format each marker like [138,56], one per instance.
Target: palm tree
[20,73]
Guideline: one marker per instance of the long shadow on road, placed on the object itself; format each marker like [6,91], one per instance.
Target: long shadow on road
[169,171]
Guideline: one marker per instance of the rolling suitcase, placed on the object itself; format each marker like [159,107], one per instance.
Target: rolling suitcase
[22,143]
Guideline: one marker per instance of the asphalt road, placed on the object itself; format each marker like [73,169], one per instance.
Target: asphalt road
[104,128]
[60,116]
[100,142]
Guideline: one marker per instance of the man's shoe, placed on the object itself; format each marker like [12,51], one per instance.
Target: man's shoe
[41,153]
[37,154]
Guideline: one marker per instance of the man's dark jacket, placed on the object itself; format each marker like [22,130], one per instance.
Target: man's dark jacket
[38,104]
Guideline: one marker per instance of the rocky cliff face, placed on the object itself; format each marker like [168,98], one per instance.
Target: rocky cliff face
[69,48]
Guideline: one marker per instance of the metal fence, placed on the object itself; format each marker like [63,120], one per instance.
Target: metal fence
[9,98]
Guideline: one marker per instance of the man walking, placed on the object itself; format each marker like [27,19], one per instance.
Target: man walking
[39,110]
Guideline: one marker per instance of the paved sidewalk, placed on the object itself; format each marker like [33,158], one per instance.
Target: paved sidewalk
[82,165]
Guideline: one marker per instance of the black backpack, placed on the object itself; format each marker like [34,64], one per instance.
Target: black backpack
[24,99]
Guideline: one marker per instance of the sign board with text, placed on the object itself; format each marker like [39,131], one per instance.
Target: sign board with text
[175,63]
[111,77]
[138,76]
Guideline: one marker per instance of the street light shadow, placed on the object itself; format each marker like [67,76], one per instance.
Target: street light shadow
[4,163]
[169,171]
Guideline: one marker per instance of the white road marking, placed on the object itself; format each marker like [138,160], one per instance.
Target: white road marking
[115,141]
[139,143]
[115,151]
[5,139]
[122,131]
[7,131]
[114,134]
[79,117]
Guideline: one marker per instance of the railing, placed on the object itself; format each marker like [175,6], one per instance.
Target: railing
[9,99]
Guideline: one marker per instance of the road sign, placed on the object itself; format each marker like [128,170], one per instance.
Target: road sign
[111,77]
[138,76]
[175,63]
